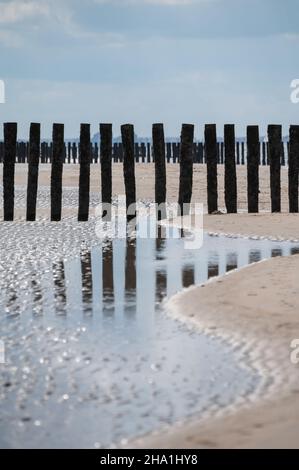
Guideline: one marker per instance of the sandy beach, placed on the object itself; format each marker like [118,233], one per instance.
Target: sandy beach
[256,307]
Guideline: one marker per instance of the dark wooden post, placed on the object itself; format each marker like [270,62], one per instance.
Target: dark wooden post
[283,162]
[106,167]
[160,169]
[238,153]
[127,133]
[56,171]
[242,153]
[230,174]
[186,168]
[84,179]
[10,149]
[293,168]
[264,153]
[253,160]
[211,158]
[32,183]
[274,134]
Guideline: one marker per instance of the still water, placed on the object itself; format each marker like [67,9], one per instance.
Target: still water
[91,358]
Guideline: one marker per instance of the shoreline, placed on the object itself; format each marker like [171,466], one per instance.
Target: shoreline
[265,418]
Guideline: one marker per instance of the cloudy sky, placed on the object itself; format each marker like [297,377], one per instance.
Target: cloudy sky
[145,61]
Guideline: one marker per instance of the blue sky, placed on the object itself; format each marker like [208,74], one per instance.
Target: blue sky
[145,61]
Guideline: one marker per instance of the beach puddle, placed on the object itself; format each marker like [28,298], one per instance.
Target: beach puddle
[91,358]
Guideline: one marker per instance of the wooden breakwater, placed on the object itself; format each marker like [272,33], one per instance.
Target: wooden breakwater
[229,156]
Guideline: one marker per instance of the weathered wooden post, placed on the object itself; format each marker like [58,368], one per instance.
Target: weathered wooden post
[56,171]
[127,133]
[106,168]
[84,178]
[238,153]
[168,152]
[274,136]
[160,170]
[186,168]
[230,174]
[33,165]
[264,150]
[293,168]
[253,160]
[211,159]
[283,162]
[242,153]
[10,148]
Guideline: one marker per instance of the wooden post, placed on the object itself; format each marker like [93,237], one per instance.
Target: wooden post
[186,168]
[230,175]
[127,133]
[238,153]
[274,135]
[84,179]
[264,153]
[242,153]
[283,162]
[160,169]
[253,159]
[32,183]
[211,159]
[106,167]
[10,148]
[56,171]
[293,168]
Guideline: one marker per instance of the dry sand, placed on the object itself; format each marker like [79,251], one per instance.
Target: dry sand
[257,307]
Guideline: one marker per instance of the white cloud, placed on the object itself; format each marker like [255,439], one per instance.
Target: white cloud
[19,10]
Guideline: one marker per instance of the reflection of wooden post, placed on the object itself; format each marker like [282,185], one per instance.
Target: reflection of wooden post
[293,168]
[84,179]
[160,169]
[107,273]
[186,168]
[10,148]
[127,132]
[253,159]
[106,166]
[230,177]
[274,133]
[86,272]
[56,172]
[211,158]
[34,151]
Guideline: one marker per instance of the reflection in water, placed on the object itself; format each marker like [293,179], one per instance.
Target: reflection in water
[231,261]
[213,265]
[254,256]
[86,282]
[172,267]
[59,287]
[276,252]
[188,275]
[130,277]
[107,274]
[36,293]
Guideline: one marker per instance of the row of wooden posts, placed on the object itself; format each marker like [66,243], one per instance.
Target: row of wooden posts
[186,167]
[144,152]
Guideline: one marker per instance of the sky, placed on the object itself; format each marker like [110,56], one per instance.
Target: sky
[146,61]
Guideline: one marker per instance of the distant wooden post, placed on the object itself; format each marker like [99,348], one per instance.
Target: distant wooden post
[106,168]
[56,171]
[242,153]
[253,160]
[84,178]
[230,176]
[211,159]
[283,162]
[186,168]
[10,148]
[33,165]
[274,135]
[293,168]
[160,169]
[127,133]
[264,153]
[238,153]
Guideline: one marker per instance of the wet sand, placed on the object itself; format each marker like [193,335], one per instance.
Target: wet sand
[257,307]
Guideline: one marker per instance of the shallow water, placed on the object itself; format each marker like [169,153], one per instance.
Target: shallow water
[91,358]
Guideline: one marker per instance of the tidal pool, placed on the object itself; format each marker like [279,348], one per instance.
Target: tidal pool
[91,358]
